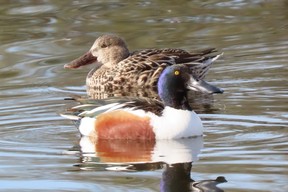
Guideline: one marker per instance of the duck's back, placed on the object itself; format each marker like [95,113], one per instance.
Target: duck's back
[136,71]
[142,69]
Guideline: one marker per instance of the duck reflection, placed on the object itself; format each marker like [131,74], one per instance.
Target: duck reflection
[177,177]
[142,151]
[123,92]
[175,157]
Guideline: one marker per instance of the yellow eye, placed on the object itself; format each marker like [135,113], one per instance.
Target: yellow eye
[176,72]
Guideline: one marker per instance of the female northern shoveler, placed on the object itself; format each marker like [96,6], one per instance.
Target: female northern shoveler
[147,118]
[117,69]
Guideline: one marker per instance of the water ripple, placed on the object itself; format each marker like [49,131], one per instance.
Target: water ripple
[246,127]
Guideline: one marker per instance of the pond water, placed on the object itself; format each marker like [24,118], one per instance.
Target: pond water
[246,128]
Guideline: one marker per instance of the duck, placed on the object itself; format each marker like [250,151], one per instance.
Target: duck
[146,118]
[119,71]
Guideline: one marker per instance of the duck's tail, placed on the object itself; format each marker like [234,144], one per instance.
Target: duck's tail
[200,68]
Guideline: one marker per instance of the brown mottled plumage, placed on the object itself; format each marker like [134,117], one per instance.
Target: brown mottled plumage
[122,73]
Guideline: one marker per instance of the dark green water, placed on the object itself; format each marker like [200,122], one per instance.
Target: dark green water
[246,133]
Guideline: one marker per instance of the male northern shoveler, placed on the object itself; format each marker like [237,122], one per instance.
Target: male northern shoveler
[147,118]
[118,69]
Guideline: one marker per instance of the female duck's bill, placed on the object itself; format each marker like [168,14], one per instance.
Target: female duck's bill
[119,70]
[149,119]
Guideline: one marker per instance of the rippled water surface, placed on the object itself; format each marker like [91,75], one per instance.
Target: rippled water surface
[246,128]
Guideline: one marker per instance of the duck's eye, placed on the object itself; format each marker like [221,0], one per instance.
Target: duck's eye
[103,45]
[176,72]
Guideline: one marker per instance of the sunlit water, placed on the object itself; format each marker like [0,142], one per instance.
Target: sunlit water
[246,128]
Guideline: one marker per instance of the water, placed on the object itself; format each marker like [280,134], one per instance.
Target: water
[246,128]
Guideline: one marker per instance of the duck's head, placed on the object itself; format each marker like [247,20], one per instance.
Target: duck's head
[107,49]
[175,82]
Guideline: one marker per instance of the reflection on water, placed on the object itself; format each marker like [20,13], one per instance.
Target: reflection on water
[176,177]
[118,151]
[175,157]
[246,128]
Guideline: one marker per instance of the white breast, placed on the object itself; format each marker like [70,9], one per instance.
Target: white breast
[175,123]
